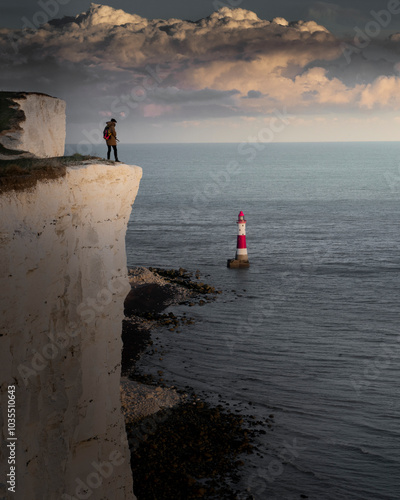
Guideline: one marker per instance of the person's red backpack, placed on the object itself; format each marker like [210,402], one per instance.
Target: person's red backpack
[106,133]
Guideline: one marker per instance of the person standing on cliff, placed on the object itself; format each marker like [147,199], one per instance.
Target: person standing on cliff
[112,139]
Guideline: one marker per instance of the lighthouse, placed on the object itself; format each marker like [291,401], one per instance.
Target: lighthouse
[241,259]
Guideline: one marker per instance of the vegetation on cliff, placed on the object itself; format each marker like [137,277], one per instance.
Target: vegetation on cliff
[23,173]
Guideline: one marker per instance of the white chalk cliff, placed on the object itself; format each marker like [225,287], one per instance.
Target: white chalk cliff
[63,279]
[33,125]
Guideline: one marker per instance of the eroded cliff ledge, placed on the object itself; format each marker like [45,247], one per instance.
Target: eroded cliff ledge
[32,125]
[63,277]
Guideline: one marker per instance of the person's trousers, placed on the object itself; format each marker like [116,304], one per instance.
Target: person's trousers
[115,152]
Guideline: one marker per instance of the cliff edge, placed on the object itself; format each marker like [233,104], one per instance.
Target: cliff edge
[32,125]
[63,277]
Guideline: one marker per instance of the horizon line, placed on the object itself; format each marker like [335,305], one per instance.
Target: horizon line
[242,142]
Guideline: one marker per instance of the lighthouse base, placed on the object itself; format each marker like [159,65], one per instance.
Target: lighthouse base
[235,263]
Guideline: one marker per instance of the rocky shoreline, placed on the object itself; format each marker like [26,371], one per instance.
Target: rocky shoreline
[181,447]
[152,291]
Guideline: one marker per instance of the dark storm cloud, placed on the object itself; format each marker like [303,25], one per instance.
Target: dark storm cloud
[116,39]
[253,94]
[231,63]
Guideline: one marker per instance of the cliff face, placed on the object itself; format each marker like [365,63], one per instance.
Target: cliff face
[31,125]
[63,280]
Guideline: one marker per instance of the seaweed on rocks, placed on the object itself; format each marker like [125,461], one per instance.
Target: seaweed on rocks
[188,452]
[135,337]
[183,278]
[152,291]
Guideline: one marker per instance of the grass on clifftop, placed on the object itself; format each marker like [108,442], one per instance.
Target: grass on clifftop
[24,173]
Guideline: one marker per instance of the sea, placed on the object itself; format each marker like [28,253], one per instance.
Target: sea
[308,336]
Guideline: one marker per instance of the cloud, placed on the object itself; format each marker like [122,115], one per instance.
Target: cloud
[231,63]
[155,110]
[103,14]
[253,94]
[112,37]
[383,92]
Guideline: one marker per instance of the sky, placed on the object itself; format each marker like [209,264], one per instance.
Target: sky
[213,71]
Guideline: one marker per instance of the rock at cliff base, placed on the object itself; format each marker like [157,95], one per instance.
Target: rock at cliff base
[32,125]
[151,297]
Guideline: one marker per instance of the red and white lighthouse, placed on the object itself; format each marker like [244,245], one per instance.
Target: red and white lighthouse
[241,259]
[241,249]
